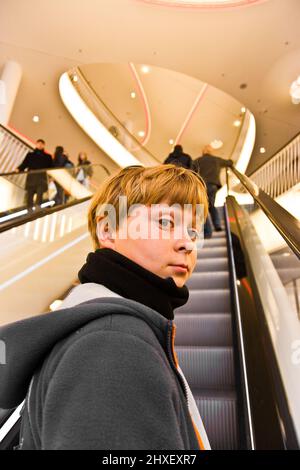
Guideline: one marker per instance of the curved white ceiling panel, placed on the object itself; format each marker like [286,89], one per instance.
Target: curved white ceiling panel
[204,4]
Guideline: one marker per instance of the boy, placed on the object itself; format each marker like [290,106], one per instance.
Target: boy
[105,374]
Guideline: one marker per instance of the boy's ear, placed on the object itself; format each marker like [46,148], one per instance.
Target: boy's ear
[104,233]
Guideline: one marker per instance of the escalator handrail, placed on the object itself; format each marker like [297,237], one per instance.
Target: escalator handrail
[41,213]
[286,224]
[14,173]
[250,439]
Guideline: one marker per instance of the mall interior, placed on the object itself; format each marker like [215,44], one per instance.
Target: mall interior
[121,82]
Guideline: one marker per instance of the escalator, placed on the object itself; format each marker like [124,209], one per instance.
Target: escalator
[205,345]
[238,336]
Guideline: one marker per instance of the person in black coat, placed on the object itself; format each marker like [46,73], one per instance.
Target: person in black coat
[179,158]
[208,166]
[36,182]
[61,160]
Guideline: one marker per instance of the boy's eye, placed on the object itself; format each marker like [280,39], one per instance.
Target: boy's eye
[193,234]
[166,223]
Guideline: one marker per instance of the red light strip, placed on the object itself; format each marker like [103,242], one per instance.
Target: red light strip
[19,134]
[191,113]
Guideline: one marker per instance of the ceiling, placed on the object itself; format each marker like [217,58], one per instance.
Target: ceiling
[251,53]
[171,97]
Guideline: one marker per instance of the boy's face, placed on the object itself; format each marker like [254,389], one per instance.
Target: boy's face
[160,238]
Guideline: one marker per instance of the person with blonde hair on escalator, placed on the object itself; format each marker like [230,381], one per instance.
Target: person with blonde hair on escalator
[103,371]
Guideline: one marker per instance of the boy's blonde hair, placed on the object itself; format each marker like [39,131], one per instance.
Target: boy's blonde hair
[148,185]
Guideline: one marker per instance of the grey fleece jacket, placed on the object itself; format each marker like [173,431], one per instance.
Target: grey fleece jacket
[104,377]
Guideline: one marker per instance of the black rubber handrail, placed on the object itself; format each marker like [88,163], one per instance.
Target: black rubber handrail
[14,173]
[286,224]
[40,213]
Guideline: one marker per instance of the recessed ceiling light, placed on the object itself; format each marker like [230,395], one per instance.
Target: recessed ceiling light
[216,144]
[171,141]
[295,91]
[74,78]
[262,150]
[141,133]
[36,118]
[133,94]
[243,109]
[145,69]
[237,123]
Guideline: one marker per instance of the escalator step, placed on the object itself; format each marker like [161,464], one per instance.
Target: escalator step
[203,330]
[219,414]
[219,280]
[221,241]
[211,265]
[207,301]
[212,252]
[209,368]
[220,234]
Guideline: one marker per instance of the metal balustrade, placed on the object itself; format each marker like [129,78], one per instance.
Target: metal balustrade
[12,150]
[281,172]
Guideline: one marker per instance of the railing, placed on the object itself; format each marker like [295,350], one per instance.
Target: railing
[287,225]
[281,172]
[109,120]
[60,186]
[12,150]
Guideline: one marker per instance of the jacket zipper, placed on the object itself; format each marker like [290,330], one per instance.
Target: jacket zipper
[171,355]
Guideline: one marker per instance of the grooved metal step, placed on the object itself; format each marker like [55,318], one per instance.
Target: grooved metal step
[203,280]
[207,301]
[203,330]
[208,368]
[211,265]
[220,234]
[204,343]
[221,241]
[219,415]
[212,252]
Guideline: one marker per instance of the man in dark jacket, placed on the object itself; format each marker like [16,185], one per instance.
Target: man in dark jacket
[103,371]
[209,167]
[179,158]
[36,182]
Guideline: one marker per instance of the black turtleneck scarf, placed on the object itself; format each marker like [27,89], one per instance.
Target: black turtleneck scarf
[130,280]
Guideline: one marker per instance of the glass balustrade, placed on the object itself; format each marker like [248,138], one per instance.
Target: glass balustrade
[26,192]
